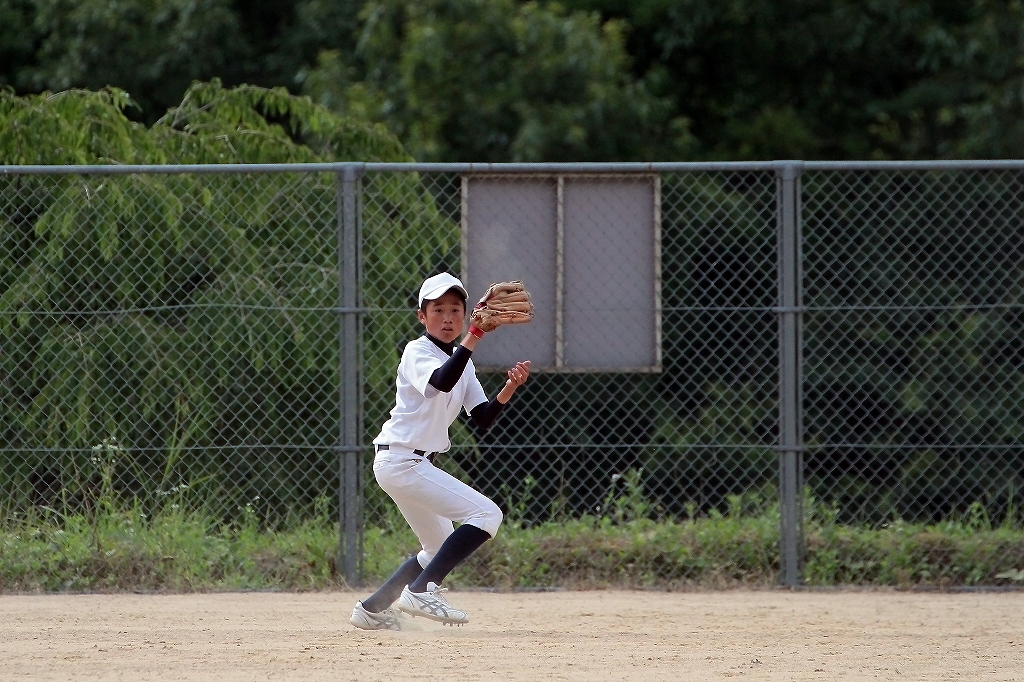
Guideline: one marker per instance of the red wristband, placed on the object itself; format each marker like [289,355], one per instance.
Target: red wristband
[476,331]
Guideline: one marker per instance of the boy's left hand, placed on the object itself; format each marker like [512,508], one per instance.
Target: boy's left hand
[503,303]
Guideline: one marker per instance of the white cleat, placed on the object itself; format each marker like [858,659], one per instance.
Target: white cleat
[368,620]
[431,604]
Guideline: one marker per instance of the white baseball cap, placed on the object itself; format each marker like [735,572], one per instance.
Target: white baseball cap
[436,286]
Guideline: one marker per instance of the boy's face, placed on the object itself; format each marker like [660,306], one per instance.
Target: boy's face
[443,317]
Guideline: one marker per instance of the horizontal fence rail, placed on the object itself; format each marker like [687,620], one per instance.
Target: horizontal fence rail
[835,394]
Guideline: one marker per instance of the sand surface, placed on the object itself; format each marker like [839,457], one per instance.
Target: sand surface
[602,636]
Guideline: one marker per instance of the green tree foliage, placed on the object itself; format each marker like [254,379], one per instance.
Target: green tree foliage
[110,284]
[17,39]
[834,79]
[970,105]
[153,49]
[493,80]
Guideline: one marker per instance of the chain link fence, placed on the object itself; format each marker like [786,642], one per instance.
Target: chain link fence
[843,375]
[914,366]
[169,337]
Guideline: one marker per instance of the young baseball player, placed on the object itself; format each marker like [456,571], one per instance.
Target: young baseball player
[436,380]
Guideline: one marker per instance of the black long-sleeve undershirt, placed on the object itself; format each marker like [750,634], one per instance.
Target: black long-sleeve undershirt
[485,414]
[447,375]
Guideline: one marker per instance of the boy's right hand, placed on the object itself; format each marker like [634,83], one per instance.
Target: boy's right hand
[518,375]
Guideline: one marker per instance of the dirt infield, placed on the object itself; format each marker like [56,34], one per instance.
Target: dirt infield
[649,636]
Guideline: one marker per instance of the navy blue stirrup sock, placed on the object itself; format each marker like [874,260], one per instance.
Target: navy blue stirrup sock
[464,541]
[391,590]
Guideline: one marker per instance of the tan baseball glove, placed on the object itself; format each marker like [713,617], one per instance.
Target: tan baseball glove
[502,303]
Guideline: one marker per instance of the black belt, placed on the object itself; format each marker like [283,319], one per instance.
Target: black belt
[422,453]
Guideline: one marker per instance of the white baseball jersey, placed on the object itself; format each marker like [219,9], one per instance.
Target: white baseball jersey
[422,414]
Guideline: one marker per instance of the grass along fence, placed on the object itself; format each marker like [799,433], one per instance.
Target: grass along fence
[175,548]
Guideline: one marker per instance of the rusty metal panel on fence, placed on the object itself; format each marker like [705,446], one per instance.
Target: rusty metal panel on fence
[588,247]
[510,231]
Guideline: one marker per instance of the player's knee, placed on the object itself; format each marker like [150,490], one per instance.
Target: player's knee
[489,519]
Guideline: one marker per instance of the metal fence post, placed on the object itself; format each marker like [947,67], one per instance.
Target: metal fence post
[790,315]
[349,300]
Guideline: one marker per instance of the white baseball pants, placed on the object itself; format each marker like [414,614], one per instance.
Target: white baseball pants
[431,499]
